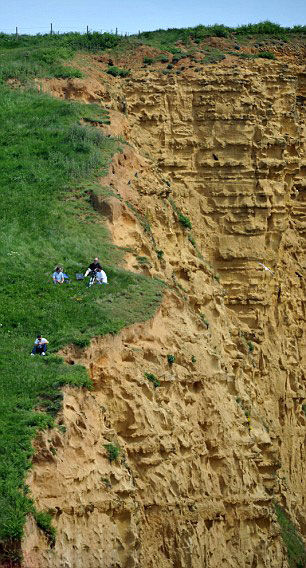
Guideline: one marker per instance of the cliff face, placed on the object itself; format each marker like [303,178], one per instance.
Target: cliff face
[204,455]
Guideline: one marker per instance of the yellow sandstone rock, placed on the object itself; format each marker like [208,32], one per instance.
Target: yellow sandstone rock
[203,456]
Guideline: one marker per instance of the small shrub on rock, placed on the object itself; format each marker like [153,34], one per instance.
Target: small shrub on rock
[113,451]
[152,378]
[171,359]
[184,221]
[251,346]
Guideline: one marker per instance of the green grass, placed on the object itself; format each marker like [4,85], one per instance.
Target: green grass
[47,162]
[292,540]
[27,64]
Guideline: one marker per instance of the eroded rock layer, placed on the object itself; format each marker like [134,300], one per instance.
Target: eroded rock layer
[204,455]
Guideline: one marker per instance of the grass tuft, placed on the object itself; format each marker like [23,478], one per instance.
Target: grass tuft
[291,538]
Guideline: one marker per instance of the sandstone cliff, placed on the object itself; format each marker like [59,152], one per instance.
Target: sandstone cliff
[204,456]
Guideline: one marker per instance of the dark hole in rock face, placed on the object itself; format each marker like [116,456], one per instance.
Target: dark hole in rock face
[70,362]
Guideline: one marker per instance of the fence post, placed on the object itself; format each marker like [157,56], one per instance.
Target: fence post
[51,30]
[16,32]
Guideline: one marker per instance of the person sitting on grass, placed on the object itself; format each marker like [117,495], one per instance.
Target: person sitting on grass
[40,345]
[95,266]
[101,277]
[58,276]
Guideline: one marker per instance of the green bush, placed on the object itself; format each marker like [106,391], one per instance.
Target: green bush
[178,56]
[113,452]
[160,254]
[117,72]
[251,346]
[184,221]
[148,60]
[266,55]
[170,66]
[213,58]
[170,359]
[152,378]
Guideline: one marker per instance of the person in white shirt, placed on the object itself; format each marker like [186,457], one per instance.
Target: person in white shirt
[101,277]
[40,346]
[58,276]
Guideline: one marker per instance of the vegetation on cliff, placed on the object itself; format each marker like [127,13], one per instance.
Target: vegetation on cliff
[291,538]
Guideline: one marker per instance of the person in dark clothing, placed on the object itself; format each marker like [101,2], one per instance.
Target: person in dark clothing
[95,266]
[40,346]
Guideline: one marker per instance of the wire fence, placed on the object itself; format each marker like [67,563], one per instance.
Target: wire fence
[52,29]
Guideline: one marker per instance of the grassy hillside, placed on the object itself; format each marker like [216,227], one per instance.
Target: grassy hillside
[48,162]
